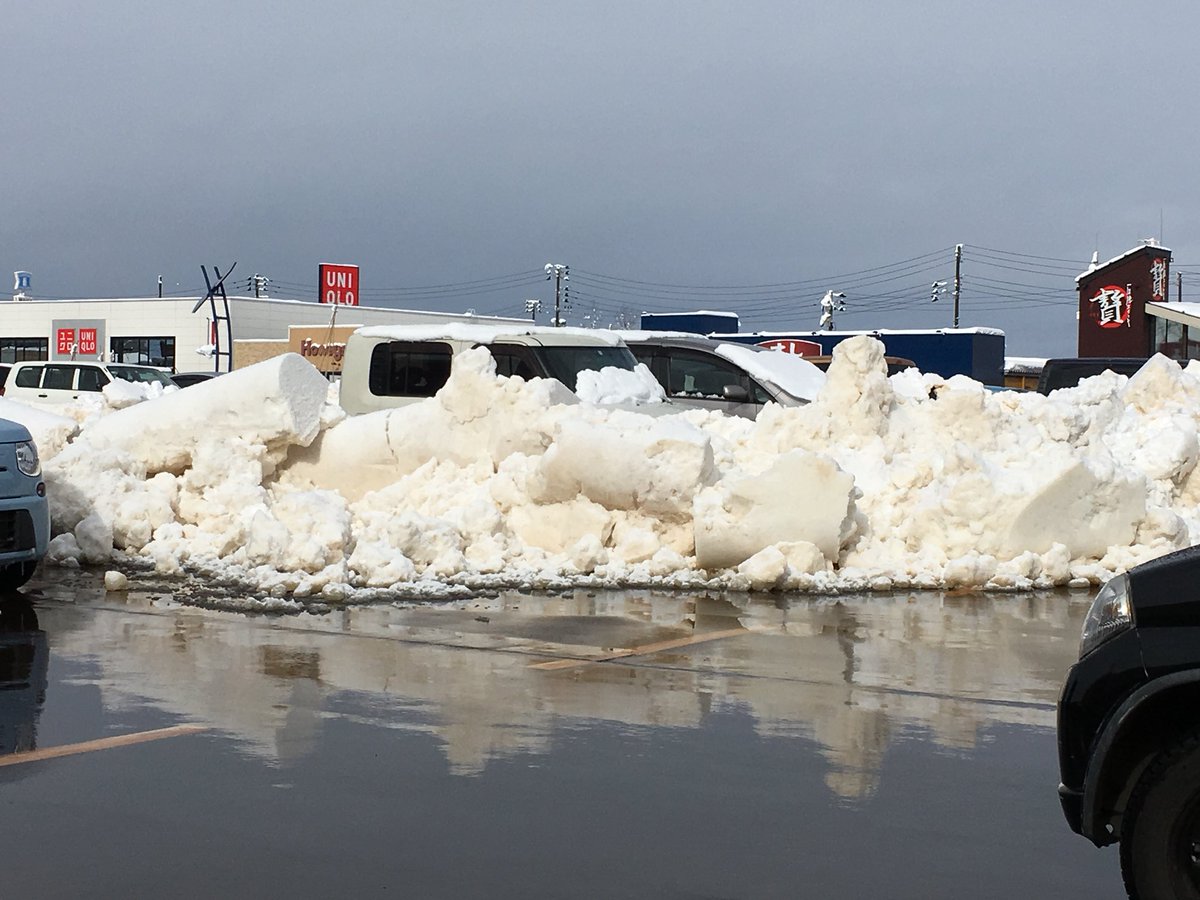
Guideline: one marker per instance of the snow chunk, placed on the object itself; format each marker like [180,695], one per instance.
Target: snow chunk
[801,497]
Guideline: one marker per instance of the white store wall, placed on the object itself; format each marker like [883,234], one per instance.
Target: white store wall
[250,317]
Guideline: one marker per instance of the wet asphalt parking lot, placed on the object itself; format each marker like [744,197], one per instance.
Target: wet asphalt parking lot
[587,744]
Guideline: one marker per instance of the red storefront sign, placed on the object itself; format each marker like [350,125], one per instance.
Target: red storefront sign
[338,283]
[1110,306]
[793,345]
[65,340]
[87,341]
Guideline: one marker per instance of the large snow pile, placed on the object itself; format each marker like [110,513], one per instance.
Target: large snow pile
[908,481]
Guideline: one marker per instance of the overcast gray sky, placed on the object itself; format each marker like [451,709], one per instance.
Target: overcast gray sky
[650,145]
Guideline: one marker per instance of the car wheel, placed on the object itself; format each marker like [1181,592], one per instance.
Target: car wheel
[14,575]
[1160,831]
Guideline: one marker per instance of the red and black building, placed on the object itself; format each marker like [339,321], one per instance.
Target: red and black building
[1125,308]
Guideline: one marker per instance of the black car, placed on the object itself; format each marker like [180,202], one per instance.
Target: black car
[1067,373]
[1129,726]
[187,379]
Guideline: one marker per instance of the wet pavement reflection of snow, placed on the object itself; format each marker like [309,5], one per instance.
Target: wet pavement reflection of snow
[893,745]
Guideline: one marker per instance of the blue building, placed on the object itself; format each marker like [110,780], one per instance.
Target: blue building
[975,352]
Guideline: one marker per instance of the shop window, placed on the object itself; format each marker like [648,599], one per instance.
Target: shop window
[16,349]
[144,351]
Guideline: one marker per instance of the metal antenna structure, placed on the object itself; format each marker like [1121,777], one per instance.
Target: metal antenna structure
[217,289]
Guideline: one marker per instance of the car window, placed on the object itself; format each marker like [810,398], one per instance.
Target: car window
[141,374]
[91,378]
[565,363]
[58,378]
[512,359]
[29,376]
[408,369]
[698,375]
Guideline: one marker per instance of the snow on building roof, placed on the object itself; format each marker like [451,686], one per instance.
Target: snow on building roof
[1147,245]
[871,331]
[262,301]
[696,312]
[1023,365]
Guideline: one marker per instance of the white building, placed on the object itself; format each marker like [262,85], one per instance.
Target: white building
[184,334]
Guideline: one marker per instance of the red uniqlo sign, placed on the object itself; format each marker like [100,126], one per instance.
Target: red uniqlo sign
[339,284]
[66,338]
[87,341]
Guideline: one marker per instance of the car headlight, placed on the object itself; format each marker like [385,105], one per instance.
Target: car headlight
[27,458]
[1111,613]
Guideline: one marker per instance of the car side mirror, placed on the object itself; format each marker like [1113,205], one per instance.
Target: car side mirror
[735,393]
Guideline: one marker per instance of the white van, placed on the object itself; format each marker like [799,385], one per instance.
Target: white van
[62,382]
[393,365]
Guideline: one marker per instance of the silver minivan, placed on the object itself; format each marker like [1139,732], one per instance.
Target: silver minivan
[62,382]
[733,378]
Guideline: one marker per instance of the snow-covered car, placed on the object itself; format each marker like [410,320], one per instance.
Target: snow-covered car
[24,512]
[386,366]
[1129,730]
[62,382]
[739,379]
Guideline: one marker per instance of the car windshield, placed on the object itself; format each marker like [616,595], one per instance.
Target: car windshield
[564,363]
[141,374]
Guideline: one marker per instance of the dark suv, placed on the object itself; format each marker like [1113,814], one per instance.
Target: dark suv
[1129,726]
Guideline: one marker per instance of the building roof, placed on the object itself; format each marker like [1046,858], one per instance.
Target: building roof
[1150,244]
[1184,313]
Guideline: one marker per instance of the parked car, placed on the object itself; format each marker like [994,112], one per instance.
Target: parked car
[1129,726]
[739,379]
[24,512]
[187,379]
[62,382]
[1068,372]
[393,365]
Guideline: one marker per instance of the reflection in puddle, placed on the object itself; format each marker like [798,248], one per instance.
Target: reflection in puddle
[24,660]
[851,674]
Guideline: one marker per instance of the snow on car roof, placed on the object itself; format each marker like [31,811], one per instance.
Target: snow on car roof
[793,373]
[482,334]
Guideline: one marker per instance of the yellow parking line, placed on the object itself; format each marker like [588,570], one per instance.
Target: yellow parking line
[121,740]
[643,650]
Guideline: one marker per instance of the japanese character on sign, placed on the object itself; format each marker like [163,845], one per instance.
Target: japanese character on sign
[65,340]
[1158,274]
[1111,306]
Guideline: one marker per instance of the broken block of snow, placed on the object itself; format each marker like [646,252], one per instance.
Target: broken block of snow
[276,403]
[801,497]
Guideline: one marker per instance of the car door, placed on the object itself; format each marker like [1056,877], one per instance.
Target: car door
[58,383]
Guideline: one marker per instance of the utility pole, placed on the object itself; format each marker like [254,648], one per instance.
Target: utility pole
[560,273]
[831,303]
[957,279]
[1179,288]
[533,307]
[159,287]
[258,283]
